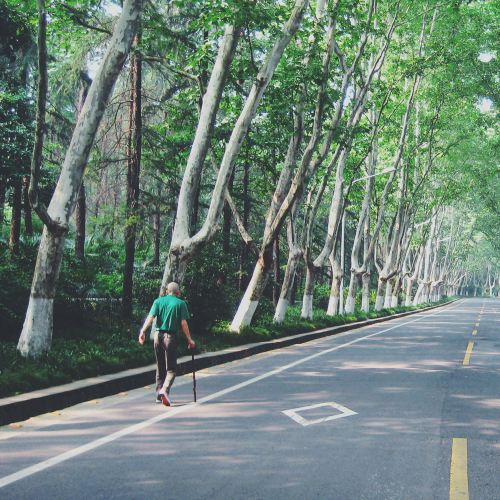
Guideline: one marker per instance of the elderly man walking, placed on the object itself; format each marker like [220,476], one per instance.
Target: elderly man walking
[171,314]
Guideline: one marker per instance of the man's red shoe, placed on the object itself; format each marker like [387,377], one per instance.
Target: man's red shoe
[164,397]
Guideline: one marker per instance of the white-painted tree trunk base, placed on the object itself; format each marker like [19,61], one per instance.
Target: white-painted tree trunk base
[365,304]
[349,305]
[388,295]
[341,303]
[244,314]
[307,307]
[416,299]
[333,306]
[279,315]
[379,302]
[394,301]
[37,328]
[408,301]
[250,300]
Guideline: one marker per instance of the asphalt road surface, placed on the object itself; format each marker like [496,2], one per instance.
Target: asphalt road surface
[406,409]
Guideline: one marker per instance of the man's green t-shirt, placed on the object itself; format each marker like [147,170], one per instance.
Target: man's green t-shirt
[169,311]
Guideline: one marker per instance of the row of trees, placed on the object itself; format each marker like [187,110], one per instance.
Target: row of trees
[353,127]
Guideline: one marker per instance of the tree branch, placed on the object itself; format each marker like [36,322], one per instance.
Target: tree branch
[239,224]
[78,15]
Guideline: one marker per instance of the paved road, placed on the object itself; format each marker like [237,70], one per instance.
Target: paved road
[406,409]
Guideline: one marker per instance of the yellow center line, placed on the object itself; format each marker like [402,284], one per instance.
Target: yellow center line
[468,353]
[474,332]
[477,324]
[459,481]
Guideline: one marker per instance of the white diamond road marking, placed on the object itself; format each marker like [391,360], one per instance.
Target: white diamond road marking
[294,414]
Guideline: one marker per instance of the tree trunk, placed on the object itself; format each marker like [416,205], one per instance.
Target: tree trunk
[39,316]
[409,286]
[379,301]
[28,220]
[276,258]
[185,247]
[227,216]
[253,293]
[287,191]
[363,226]
[157,237]
[294,254]
[342,153]
[81,213]
[388,293]
[421,290]
[133,177]
[351,294]
[2,201]
[203,136]
[307,299]
[287,289]
[36,335]
[81,204]
[365,301]
[334,301]
[15,224]
[395,291]
[243,280]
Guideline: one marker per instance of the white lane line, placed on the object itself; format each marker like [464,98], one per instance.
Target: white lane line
[175,411]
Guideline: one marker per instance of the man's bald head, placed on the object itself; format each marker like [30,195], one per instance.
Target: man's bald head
[172,288]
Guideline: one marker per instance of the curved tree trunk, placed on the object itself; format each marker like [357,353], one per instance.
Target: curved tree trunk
[340,158]
[184,246]
[288,192]
[36,335]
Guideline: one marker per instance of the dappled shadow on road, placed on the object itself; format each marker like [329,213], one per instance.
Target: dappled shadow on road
[425,366]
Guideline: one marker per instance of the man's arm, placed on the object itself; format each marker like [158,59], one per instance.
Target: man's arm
[142,333]
[185,329]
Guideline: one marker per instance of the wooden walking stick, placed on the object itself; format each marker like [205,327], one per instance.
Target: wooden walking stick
[194,373]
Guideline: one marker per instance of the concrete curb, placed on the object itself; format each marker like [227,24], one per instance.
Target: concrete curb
[24,406]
